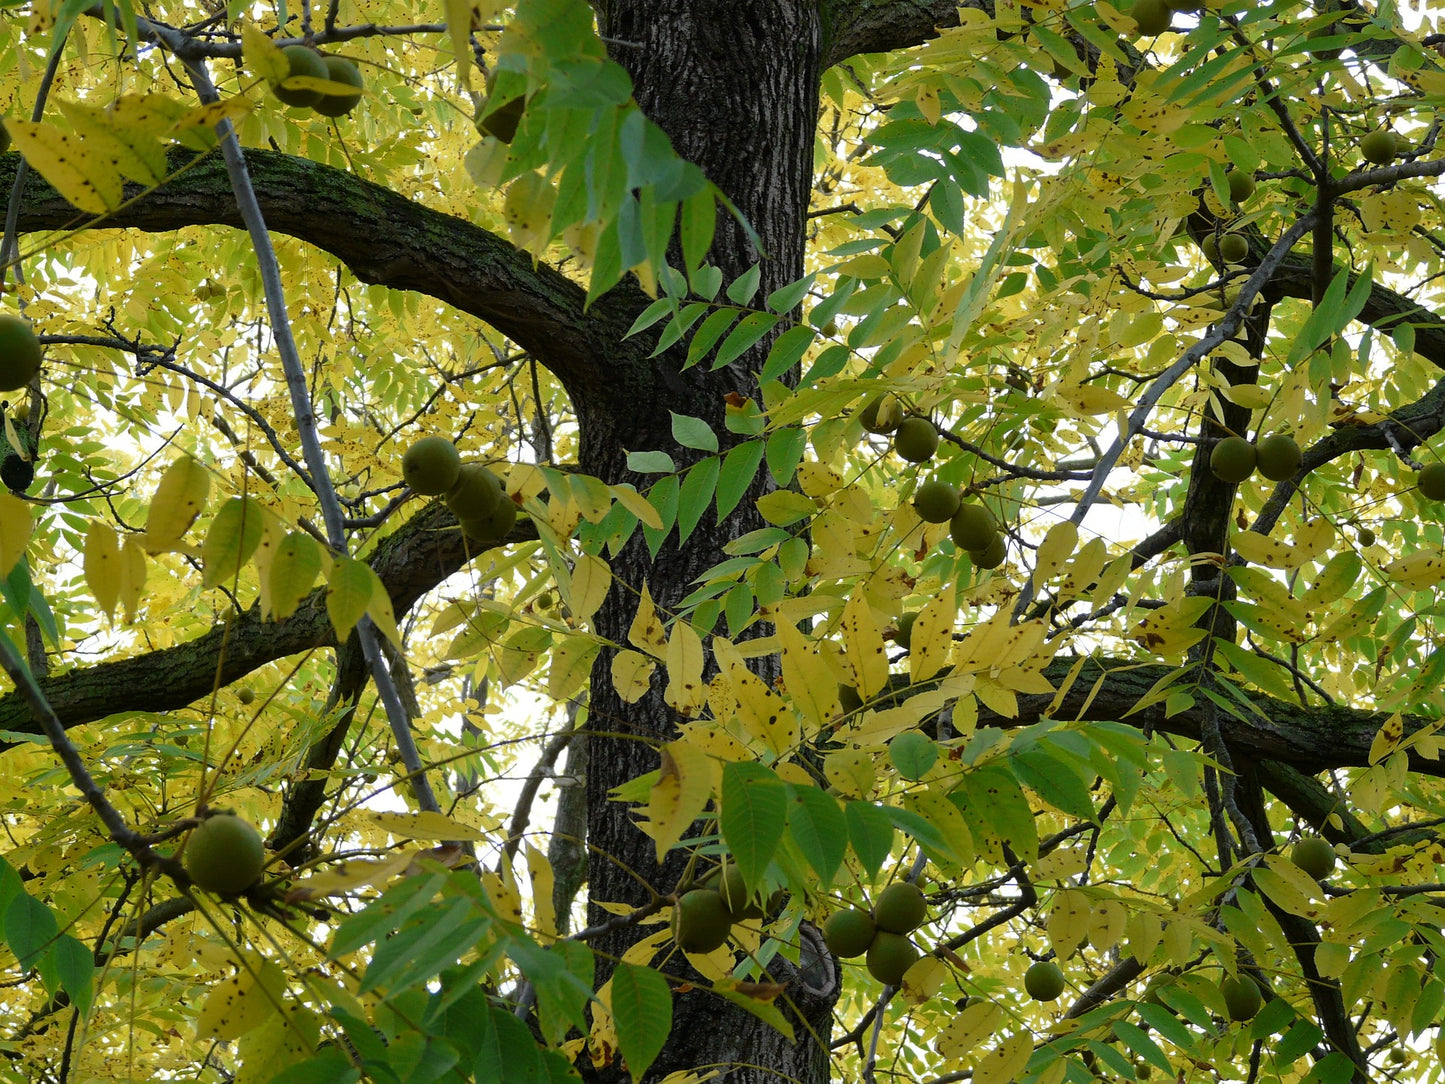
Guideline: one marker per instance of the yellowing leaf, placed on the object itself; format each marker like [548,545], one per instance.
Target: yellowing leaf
[806,677]
[348,594]
[647,633]
[350,875]
[14,532]
[262,56]
[293,571]
[425,825]
[234,535]
[132,575]
[631,675]
[136,152]
[685,693]
[591,579]
[764,715]
[980,1020]
[1416,571]
[1387,738]
[1055,550]
[865,657]
[380,611]
[1092,399]
[783,507]
[544,912]
[82,172]
[686,781]
[178,501]
[638,505]
[102,564]
[931,641]
[571,666]
[1006,1062]
[242,1002]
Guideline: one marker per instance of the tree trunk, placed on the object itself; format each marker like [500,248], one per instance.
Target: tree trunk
[735,86]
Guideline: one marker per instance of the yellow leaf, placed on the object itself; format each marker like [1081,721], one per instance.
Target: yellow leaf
[1250,396]
[242,1002]
[234,534]
[459,29]
[631,675]
[102,565]
[293,571]
[1391,731]
[544,913]
[591,579]
[15,528]
[571,666]
[592,497]
[132,575]
[379,609]
[763,714]
[1054,551]
[352,874]
[638,505]
[263,56]
[76,167]
[865,657]
[1260,549]
[1006,1062]
[818,480]
[348,594]
[178,501]
[685,783]
[979,1021]
[1416,571]
[136,151]
[931,642]
[783,507]
[647,633]
[424,825]
[685,693]
[852,771]
[1068,922]
[1092,399]
[809,683]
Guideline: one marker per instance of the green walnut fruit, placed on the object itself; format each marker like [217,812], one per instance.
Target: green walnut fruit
[1315,856]
[1044,981]
[881,415]
[246,695]
[304,62]
[916,440]
[1242,998]
[900,908]
[1277,457]
[849,933]
[936,501]
[475,494]
[224,855]
[972,527]
[495,525]
[1232,460]
[701,921]
[431,466]
[1209,246]
[890,956]
[1234,248]
[1380,147]
[1151,15]
[19,353]
[339,70]
[1241,185]
[734,891]
[912,754]
[1431,481]
[991,556]
[1365,537]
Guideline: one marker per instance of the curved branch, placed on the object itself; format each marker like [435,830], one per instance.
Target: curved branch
[410,562]
[384,239]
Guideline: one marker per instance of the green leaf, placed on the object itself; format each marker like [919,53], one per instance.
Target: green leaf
[329,1067]
[785,299]
[642,1011]
[292,573]
[696,228]
[348,594]
[695,496]
[75,964]
[754,810]
[787,350]
[1330,1069]
[996,803]
[1140,1045]
[693,433]
[30,927]
[562,975]
[818,828]
[234,535]
[785,452]
[707,335]
[742,288]
[650,315]
[651,463]
[1055,778]
[419,951]
[870,832]
[750,329]
[739,469]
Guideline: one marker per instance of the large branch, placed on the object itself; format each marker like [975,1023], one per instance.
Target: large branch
[409,563]
[879,26]
[384,239]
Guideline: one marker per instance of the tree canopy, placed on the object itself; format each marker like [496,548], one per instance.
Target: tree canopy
[793,540]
